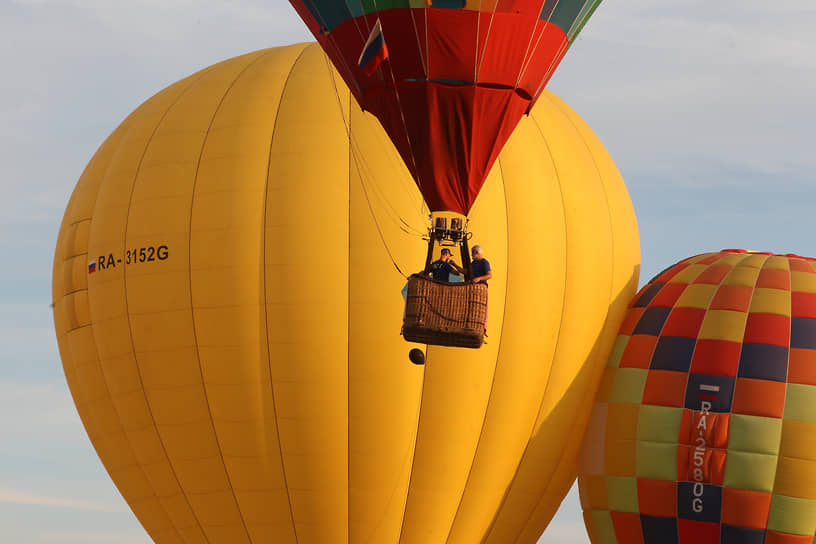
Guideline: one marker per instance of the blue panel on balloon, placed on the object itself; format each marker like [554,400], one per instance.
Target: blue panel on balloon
[706,391]
[648,295]
[652,320]
[327,13]
[673,353]
[448,4]
[764,362]
[803,333]
[657,530]
[699,502]
[740,535]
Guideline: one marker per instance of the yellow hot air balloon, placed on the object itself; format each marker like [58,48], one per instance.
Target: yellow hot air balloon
[228,314]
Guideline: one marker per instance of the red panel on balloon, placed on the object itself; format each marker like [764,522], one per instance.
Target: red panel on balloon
[439,148]
[713,274]
[684,322]
[549,46]
[504,42]
[743,508]
[638,352]
[667,297]
[711,259]
[767,329]
[797,265]
[657,497]
[732,297]
[774,279]
[718,357]
[665,388]
[802,366]
[627,527]
[754,397]
[803,305]
[631,320]
[696,532]
[405,29]
[452,42]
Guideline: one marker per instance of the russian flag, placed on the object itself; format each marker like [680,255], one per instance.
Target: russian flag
[709,392]
[92,266]
[374,52]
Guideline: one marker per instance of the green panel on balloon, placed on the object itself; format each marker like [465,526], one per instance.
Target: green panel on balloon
[566,14]
[372,6]
[657,461]
[754,434]
[628,386]
[750,471]
[604,529]
[622,494]
[659,424]
[617,351]
[586,12]
[792,515]
[799,402]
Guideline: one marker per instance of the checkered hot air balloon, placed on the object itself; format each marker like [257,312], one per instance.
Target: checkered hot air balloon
[447,79]
[704,429]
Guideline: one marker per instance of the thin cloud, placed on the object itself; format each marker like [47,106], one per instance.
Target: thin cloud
[10,496]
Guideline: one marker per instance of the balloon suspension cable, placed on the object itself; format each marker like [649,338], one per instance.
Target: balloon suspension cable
[365,171]
[480,57]
[528,55]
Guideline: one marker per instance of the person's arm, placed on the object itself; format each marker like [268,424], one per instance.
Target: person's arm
[458,270]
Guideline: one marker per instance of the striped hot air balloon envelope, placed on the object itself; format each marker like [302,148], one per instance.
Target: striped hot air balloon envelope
[448,79]
[704,428]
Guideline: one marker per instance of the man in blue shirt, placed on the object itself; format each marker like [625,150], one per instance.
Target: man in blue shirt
[479,267]
[444,267]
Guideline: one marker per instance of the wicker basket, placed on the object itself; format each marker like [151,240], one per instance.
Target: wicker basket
[445,314]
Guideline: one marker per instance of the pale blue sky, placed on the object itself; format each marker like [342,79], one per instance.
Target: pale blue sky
[706,107]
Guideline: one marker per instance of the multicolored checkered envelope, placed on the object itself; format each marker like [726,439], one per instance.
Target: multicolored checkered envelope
[704,427]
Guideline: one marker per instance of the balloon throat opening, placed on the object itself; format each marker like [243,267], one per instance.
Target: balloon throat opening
[449,230]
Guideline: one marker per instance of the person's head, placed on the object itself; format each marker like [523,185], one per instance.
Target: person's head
[476,252]
[446,254]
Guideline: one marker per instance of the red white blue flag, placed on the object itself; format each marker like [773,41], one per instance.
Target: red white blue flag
[374,52]
[92,266]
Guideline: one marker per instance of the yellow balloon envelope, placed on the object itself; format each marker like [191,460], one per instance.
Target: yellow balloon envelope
[227,302]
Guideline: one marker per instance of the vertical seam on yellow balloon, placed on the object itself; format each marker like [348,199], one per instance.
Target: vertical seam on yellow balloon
[265,292]
[191,84]
[557,104]
[349,155]
[498,353]
[348,307]
[229,88]
[416,441]
[65,334]
[560,328]
[362,164]
[355,157]
[413,454]
[362,183]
